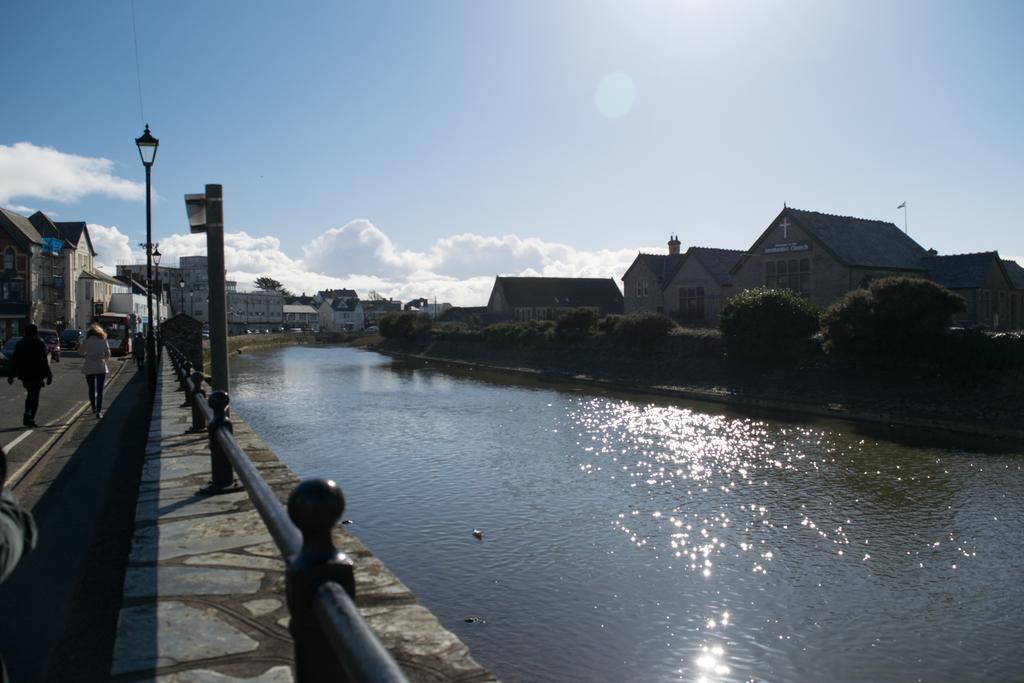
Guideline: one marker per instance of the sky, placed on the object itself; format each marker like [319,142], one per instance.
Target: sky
[421,148]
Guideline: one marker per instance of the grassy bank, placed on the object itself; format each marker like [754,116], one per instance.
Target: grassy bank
[691,363]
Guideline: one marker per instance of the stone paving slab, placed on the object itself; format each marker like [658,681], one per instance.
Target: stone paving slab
[204,591]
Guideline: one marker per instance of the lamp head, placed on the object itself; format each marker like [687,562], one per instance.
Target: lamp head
[147,145]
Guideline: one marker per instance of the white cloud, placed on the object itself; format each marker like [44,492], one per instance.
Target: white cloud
[112,247]
[27,170]
[459,269]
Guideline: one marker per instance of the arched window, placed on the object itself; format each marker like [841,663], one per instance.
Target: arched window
[9,259]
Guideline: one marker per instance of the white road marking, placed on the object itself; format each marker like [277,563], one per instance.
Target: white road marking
[15,442]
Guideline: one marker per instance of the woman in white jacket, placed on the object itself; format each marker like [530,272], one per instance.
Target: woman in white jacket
[95,351]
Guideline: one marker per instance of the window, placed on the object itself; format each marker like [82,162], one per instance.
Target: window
[641,288]
[691,303]
[794,274]
[9,259]
[10,292]
[986,304]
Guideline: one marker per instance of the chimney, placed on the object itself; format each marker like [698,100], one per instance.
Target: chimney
[932,252]
[673,245]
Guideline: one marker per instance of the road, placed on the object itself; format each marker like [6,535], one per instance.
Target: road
[60,606]
[59,404]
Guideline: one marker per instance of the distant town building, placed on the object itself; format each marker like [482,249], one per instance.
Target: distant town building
[302,316]
[375,309]
[341,314]
[546,298]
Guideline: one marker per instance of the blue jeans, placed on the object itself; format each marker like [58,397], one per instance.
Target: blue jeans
[96,391]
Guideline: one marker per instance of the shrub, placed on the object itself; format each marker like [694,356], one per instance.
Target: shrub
[849,325]
[514,335]
[767,326]
[575,325]
[607,324]
[397,325]
[639,329]
[911,314]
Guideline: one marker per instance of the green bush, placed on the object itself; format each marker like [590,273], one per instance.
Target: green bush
[640,329]
[515,335]
[607,324]
[911,314]
[767,326]
[399,325]
[575,325]
[849,326]
[979,350]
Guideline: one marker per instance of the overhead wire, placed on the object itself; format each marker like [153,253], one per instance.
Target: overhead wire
[138,71]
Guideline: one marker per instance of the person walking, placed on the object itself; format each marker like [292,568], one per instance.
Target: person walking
[95,352]
[139,350]
[31,365]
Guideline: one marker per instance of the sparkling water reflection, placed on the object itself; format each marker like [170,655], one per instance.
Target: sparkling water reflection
[627,540]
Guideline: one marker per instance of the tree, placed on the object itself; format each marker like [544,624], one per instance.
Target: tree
[767,326]
[269,284]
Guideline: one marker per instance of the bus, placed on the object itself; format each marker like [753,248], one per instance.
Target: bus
[118,327]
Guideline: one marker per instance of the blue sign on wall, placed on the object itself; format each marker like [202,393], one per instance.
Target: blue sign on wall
[58,282]
[52,245]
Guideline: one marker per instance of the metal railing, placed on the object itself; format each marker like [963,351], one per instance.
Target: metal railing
[332,641]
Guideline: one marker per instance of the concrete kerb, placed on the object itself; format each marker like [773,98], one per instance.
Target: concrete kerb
[204,591]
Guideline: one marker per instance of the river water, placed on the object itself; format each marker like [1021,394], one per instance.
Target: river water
[635,539]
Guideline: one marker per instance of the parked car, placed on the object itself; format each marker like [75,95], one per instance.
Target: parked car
[52,340]
[7,352]
[70,339]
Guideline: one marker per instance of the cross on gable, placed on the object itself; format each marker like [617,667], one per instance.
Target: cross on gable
[785,228]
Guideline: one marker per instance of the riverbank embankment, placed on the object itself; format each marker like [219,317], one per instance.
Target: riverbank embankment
[898,396]
[247,343]
[204,589]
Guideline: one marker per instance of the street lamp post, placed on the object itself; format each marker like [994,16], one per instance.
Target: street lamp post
[181,290]
[159,288]
[147,145]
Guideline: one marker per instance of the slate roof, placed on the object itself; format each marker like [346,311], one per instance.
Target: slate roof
[23,228]
[663,266]
[343,304]
[72,232]
[961,271]
[860,241]
[137,287]
[530,292]
[334,293]
[300,300]
[1015,272]
[299,308]
[45,227]
[718,262]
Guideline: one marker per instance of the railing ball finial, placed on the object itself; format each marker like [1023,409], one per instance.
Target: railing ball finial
[315,506]
[219,401]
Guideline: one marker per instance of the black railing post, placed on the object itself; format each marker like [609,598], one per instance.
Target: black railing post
[184,372]
[221,474]
[198,415]
[315,506]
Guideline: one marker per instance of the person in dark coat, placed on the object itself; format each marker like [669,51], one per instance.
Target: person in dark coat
[139,350]
[30,365]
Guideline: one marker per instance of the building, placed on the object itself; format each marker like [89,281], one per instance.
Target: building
[260,310]
[341,314]
[645,281]
[375,309]
[984,281]
[700,284]
[823,256]
[303,316]
[547,298]
[21,247]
